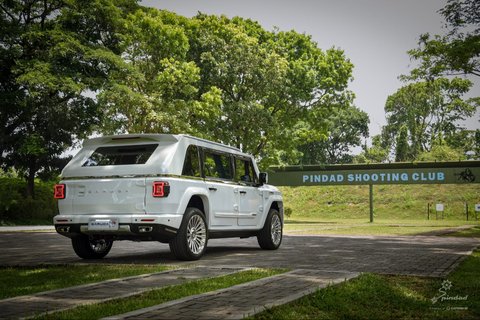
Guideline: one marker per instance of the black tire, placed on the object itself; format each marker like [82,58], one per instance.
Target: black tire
[191,240]
[270,237]
[87,248]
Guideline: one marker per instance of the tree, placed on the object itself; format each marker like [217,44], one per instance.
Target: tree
[346,127]
[247,73]
[458,51]
[430,111]
[476,144]
[158,91]
[401,149]
[466,141]
[439,105]
[53,55]
[377,153]
[224,79]
[277,87]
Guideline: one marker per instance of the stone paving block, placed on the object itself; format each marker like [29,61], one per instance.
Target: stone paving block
[51,301]
[242,300]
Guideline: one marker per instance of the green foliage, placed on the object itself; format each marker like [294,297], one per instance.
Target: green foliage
[466,142]
[249,75]
[401,148]
[432,108]
[158,92]
[53,54]
[430,112]
[457,52]
[442,153]
[377,153]
[17,207]
[279,81]
[346,127]
[287,211]
[224,79]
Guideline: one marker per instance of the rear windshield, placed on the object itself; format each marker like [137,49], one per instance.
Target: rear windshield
[120,155]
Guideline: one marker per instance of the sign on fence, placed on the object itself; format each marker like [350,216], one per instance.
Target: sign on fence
[383,173]
[365,174]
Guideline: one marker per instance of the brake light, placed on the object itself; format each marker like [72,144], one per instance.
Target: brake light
[59,191]
[160,189]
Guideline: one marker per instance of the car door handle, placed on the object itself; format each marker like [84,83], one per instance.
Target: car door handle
[212,189]
[243,192]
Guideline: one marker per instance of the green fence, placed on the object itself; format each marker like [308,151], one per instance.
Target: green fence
[460,172]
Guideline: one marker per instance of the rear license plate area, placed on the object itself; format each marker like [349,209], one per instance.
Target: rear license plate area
[103,224]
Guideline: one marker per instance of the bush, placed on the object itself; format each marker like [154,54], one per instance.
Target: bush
[15,207]
[442,153]
[287,211]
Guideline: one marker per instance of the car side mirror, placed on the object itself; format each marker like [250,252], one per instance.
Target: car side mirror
[263,177]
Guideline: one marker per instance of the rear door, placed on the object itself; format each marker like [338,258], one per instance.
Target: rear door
[109,191]
[223,196]
[108,196]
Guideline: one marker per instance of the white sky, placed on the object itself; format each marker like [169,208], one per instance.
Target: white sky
[375,35]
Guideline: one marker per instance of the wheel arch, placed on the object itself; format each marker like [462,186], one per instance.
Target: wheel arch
[276,204]
[199,201]
[197,194]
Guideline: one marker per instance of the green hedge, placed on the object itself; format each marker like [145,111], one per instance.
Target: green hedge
[15,207]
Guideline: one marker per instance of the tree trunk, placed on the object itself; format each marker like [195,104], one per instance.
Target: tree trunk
[31,180]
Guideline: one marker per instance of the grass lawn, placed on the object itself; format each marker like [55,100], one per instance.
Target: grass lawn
[399,202]
[372,296]
[398,209]
[17,281]
[469,233]
[312,226]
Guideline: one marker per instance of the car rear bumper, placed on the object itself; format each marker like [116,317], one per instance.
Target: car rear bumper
[162,227]
[131,231]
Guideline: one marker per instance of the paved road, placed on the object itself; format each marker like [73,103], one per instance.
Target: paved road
[317,261]
[421,255]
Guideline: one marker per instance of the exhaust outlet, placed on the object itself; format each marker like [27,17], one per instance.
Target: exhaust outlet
[145,229]
[63,229]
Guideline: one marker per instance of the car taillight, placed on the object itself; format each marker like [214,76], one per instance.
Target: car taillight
[59,191]
[160,189]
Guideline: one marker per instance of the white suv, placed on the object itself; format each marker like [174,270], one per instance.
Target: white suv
[175,189]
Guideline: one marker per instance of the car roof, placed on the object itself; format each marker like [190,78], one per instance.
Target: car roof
[153,137]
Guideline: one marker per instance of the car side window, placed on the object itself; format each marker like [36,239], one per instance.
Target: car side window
[244,171]
[191,166]
[217,165]
[240,170]
[252,172]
